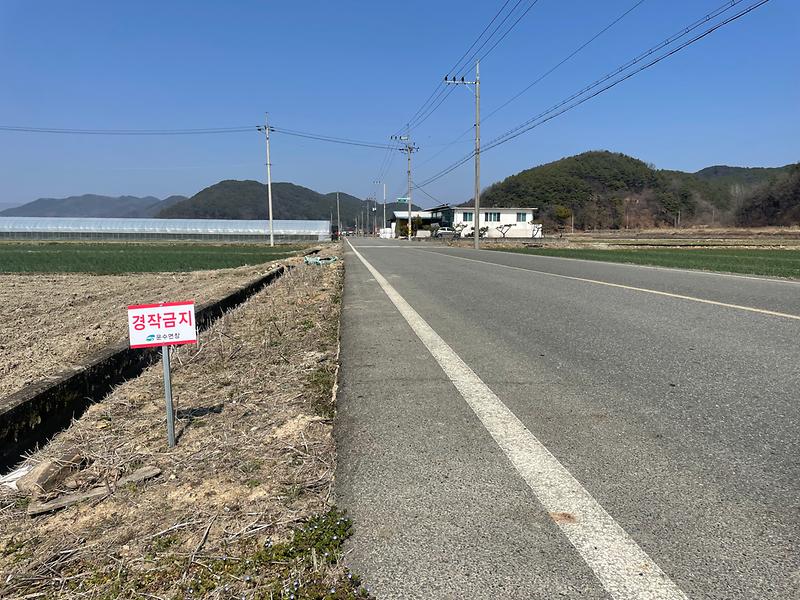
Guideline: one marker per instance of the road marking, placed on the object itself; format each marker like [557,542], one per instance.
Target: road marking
[655,267]
[623,568]
[762,311]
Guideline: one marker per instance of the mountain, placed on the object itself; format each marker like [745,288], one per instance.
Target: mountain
[740,175]
[92,205]
[602,189]
[232,199]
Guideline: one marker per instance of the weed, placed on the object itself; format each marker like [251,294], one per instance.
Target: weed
[163,543]
[320,385]
[305,567]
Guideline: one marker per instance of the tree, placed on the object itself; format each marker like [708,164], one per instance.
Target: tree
[504,229]
[402,226]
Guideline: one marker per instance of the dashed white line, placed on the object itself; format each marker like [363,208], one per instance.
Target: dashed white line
[623,568]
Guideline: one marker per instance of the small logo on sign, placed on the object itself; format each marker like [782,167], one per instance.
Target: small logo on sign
[151,337]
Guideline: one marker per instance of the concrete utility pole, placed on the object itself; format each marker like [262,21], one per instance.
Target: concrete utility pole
[338,216]
[265,129]
[477,84]
[408,148]
[383,224]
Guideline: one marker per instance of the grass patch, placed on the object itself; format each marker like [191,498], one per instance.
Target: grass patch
[320,383]
[305,567]
[768,262]
[115,258]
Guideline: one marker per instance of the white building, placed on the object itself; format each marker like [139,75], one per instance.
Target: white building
[502,222]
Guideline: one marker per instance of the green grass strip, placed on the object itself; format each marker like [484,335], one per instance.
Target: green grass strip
[767,262]
[115,258]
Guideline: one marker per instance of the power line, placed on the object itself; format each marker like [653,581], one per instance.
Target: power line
[527,10]
[655,61]
[538,79]
[421,189]
[455,66]
[660,46]
[334,140]
[485,29]
[474,57]
[567,58]
[555,112]
[435,100]
[196,131]
[199,131]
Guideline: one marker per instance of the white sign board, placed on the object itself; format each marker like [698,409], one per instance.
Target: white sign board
[164,324]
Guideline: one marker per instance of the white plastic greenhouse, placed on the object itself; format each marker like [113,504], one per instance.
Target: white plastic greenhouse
[67,228]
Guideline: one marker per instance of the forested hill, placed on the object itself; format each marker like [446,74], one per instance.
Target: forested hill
[603,189]
[93,205]
[232,199]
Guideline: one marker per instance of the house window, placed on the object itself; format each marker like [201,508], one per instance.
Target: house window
[492,217]
[522,217]
[468,217]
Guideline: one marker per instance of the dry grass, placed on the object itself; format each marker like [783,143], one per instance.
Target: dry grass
[233,513]
[64,318]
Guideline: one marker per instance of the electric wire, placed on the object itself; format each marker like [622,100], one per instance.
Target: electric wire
[564,60]
[459,72]
[455,66]
[660,46]
[527,10]
[560,108]
[536,81]
[122,132]
[195,131]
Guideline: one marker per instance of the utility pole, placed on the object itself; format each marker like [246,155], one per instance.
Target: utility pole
[383,224]
[265,129]
[408,148]
[338,216]
[477,88]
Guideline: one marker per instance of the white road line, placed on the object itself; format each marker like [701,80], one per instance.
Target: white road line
[623,568]
[656,267]
[762,311]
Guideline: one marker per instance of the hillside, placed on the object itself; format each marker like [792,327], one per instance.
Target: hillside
[776,202]
[233,199]
[740,175]
[601,189]
[92,205]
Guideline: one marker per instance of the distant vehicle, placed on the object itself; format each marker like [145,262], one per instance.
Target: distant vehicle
[444,232]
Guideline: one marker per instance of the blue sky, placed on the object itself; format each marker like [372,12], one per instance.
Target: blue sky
[360,70]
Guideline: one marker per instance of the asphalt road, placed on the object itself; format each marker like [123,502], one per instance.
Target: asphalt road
[669,396]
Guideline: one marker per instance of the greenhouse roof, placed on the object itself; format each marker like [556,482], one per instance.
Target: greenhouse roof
[164,226]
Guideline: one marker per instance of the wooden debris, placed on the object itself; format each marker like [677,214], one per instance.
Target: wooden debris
[97,493]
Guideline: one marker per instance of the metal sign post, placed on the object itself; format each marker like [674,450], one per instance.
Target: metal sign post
[168,396]
[165,324]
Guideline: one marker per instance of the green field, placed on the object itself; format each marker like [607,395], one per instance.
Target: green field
[768,262]
[114,258]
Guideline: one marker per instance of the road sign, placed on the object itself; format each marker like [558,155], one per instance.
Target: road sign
[164,324]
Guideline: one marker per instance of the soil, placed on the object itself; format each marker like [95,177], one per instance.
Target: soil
[254,460]
[49,323]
